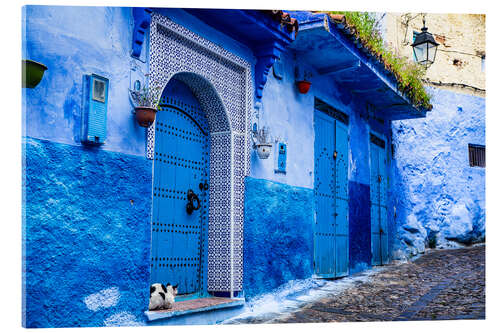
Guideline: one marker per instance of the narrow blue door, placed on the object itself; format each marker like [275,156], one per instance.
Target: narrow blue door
[378,199]
[331,229]
[180,180]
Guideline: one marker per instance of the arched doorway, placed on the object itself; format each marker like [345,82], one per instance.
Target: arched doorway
[222,84]
[180,191]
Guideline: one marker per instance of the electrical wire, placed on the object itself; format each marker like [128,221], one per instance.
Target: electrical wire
[453,84]
[453,51]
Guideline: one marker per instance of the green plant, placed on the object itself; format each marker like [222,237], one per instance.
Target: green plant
[408,74]
[145,97]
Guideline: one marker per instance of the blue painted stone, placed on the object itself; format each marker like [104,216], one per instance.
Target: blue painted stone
[86,230]
[359,227]
[436,193]
[278,236]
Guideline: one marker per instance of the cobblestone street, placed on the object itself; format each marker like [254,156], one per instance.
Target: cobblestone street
[440,285]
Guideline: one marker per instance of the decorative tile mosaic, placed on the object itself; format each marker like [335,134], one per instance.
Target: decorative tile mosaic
[222,83]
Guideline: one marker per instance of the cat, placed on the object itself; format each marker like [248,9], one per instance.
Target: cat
[162,297]
[157,295]
[170,296]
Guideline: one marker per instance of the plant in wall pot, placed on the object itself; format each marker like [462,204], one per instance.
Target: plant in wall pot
[261,143]
[145,111]
[32,73]
[305,83]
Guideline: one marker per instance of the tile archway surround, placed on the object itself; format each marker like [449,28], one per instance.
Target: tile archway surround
[222,83]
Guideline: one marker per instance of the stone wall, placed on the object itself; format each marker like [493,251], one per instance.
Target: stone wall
[462,40]
[439,196]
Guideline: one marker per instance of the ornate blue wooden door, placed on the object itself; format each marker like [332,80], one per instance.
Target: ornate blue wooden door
[331,229]
[180,178]
[378,199]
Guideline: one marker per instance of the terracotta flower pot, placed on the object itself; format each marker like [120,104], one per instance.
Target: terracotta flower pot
[32,73]
[303,86]
[145,115]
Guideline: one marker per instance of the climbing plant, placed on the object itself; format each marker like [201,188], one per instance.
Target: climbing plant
[409,74]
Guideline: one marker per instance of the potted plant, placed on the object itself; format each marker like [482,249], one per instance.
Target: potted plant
[305,83]
[32,72]
[261,144]
[143,100]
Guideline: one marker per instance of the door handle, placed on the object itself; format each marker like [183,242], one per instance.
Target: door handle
[191,196]
[203,186]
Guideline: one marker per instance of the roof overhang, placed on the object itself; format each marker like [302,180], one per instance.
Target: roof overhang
[266,36]
[324,45]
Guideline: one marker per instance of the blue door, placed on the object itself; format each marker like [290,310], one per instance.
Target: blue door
[180,191]
[378,199]
[331,229]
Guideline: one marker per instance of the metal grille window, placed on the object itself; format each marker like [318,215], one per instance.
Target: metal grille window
[477,155]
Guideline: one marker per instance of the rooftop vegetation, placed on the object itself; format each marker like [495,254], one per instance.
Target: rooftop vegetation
[408,73]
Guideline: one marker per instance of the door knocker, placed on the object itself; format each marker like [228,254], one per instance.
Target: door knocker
[190,206]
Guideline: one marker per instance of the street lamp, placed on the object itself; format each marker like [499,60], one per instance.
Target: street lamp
[424,47]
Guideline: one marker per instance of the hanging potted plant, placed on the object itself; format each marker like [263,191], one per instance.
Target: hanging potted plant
[261,144]
[305,83]
[32,72]
[145,111]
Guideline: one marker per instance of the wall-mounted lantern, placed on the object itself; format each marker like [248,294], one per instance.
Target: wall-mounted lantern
[260,141]
[424,47]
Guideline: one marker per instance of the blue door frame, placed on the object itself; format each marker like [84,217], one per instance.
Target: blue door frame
[378,199]
[331,229]
[180,176]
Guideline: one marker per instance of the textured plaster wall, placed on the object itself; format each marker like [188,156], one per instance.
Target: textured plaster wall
[290,117]
[461,37]
[72,42]
[438,194]
[86,236]
[278,239]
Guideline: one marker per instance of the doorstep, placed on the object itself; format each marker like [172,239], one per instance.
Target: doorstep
[197,305]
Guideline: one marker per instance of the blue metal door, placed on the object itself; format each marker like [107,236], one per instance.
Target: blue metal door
[180,186]
[331,230]
[378,199]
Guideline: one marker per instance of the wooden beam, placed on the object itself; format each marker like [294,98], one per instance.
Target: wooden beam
[344,67]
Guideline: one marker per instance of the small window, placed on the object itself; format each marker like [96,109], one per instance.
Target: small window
[99,90]
[483,63]
[477,155]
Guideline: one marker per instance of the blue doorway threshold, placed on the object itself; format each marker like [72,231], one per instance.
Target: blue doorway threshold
[197,311]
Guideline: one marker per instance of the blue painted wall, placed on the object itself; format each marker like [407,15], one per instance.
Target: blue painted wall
[278,239]
[86,231]
[438,194]
[290,117]
[278,235]
[62,39]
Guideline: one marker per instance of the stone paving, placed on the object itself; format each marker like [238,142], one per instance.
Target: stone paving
[440,285]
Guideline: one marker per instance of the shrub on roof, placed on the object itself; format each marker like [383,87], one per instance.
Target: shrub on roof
[408,73]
